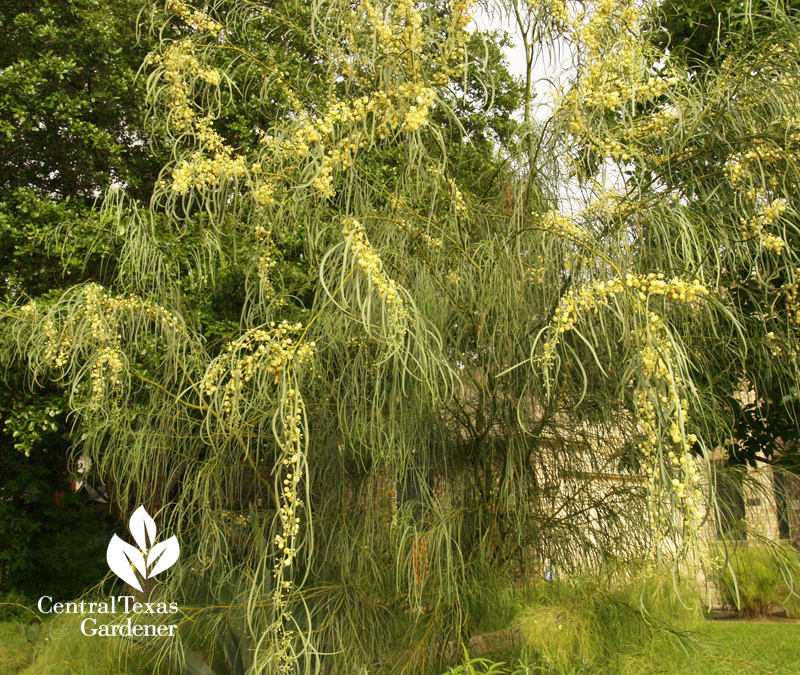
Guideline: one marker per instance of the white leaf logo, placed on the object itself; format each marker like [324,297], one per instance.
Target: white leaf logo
[140,523]
[163,556]
[125,560]
[120,557]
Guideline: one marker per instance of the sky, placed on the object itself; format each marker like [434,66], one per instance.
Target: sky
[554,66]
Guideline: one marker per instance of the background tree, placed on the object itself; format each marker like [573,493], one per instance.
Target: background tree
[701,32]
[71,123]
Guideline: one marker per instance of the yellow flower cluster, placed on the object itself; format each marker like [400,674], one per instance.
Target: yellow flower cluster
[287,542]
[461,12]
[456,198]
[565,226]
[416,232]
[417,115]
[214,162]
[320,134]
[340,156]
[289,520]
[400,35]
[765,216]
[404,33]
[573,304]
[403,102]
[611,147]
[179,62]
[747,172]
[57,348]
[792,295]
[202,171]
[290,499]
[105,375]
[612,87]
[195,17]
[603,21]
[557,9]
[663,384]
[178,57]
[739,164]
[265,261]
[103,315]
[617,75]
[264,194]
[607,84]
[272,350]
[405,108]
[370,264]
[660,123]
[659,378]
[673,289]
[678,475]
[675,157]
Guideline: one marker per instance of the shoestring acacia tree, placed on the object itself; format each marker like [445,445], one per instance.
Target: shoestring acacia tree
[766,431]
[718,153]
[503,351]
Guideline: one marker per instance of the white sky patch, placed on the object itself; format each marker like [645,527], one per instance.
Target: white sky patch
[553,68]
[552,64]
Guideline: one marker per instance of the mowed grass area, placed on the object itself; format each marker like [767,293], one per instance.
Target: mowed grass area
[722,648]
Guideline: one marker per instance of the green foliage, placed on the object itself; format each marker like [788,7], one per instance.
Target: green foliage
[61,649]
[14,606]
[700,31]
[706,37]
[16,650]
[587,621]
[593,624]
[756,578]
[365,373]
[70,113]
[767,432]
[51,542]
[474,666]
[71,120]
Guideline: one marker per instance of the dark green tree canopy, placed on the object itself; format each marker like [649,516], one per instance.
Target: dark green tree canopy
[71,113]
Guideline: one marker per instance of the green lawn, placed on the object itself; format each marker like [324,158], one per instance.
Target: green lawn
[725,648]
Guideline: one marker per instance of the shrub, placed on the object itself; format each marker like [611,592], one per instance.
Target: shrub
[14,606]
[755,578]
[577,623]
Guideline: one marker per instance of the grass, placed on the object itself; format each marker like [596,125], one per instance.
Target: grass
[568,629]
[16,651]
[748,647]
[57,647]
[723,648]
[759,576]
[581,624]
